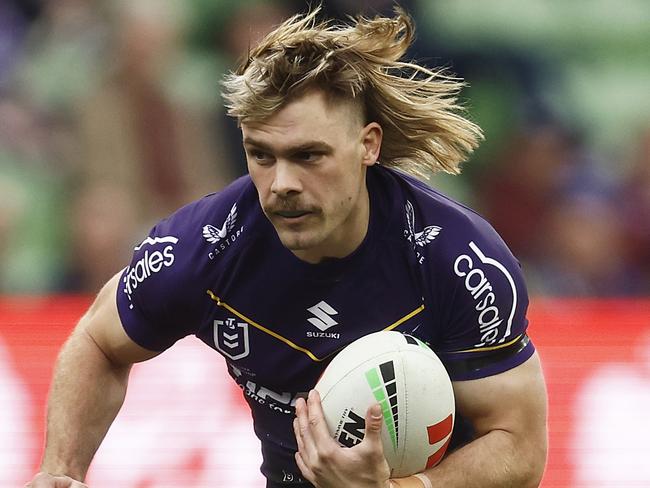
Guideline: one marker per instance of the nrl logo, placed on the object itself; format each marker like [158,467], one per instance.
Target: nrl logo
[214,234]
[423,237]
[231,338]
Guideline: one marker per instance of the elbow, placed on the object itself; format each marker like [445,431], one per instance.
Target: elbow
[539,468]
[534,465]
[525,458]
[534,475]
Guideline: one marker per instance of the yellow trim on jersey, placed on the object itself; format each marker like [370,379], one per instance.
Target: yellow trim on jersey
[289,343]
[493,348]
[405,318]
[263,329]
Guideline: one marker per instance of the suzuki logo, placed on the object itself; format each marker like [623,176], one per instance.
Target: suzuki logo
[323,319]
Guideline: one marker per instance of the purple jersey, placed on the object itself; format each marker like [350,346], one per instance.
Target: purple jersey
[428,266]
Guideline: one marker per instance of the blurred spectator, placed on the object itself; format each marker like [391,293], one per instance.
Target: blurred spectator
[132,126]
[582,251]
[13,28]
[142,128]
[62,56]
[31,189]
[634,204]
[110,118]
[37,143]
[518,188]
[104,222]
[341,9]
[555,206]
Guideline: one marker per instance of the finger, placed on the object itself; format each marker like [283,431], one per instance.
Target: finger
[374,423]
[302,466]
[296,432]
[67,482]
[308,448]
[41,480]
[317,422]
[75,484]
[45,480]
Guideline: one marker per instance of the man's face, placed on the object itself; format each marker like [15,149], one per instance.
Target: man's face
[308,162]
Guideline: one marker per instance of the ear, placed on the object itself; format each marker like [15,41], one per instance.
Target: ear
[371,137]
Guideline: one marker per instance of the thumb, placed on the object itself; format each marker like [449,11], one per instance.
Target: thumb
[374,422]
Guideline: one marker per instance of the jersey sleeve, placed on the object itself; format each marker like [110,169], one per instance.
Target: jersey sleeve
[151,289]
[483,304]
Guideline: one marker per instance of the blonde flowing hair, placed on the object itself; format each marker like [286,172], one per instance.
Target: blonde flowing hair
[424,131]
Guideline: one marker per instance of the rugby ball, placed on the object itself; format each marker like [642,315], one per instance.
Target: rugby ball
[407,379]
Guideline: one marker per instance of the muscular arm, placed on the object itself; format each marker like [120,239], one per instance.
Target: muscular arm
[508,412]
[89,386]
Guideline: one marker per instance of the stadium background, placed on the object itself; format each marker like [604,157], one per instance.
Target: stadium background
[110,118]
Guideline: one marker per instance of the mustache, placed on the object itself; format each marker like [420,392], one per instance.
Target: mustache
[288,205]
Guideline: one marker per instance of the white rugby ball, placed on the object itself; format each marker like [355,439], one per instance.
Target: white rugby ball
[413,388]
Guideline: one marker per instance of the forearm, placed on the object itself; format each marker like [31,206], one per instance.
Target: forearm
[86,395]
[497,459]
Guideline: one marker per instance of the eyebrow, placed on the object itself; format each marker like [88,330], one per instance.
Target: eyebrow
[306,146]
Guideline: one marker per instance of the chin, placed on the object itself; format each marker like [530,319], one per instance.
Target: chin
[295,242]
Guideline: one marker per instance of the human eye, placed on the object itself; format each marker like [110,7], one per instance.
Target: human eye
[307,156]
[259,157]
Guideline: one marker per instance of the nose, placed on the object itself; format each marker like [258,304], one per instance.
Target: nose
[286,179]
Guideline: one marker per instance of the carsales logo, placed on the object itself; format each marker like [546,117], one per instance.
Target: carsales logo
[149,264]
[484,279]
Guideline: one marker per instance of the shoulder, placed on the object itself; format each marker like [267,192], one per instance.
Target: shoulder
[442,228]
[474,283]
[172,267]
[186,235]
[237,197]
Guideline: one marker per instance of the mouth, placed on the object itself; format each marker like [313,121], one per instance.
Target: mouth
[291,214]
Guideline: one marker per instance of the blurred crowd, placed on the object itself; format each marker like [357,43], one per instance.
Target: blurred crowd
[111,118]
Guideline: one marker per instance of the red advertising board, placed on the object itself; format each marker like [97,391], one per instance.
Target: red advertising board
[184,422]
